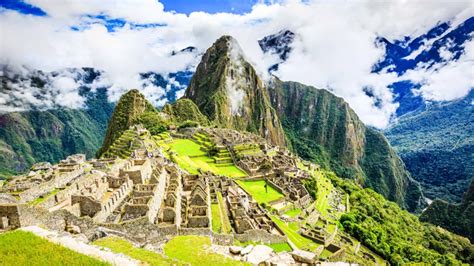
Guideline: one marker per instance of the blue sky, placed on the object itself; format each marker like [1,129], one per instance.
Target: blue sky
[179,6]
[209,6]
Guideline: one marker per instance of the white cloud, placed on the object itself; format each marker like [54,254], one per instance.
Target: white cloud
[334,48]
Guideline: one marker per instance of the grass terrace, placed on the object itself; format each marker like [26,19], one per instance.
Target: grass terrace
[190,156]
[278,247]
[294,212]
[257,190]
[226,227]
[25,248]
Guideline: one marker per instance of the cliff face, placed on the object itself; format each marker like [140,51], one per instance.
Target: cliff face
[129,109]
[228,91]
[323,128]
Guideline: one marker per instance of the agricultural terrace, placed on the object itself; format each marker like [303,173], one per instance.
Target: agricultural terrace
[189,156]
[258,192]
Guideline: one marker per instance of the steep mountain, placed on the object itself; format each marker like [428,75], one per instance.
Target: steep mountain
[323,128]
[185,110]
[458,218]
[437,145]
[228,91]
[34,136]
[131,107]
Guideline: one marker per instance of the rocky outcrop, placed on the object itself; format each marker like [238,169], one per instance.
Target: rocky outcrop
[228,91]
[323,128]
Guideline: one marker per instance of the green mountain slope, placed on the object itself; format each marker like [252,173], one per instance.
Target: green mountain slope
[437,146]
[35,136]
[323,128]
[458,218]
[228,91]
[131,107]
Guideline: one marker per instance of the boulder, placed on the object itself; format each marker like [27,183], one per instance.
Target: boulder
[235,250]
[303,256]
[259,254]
[282,258]
[246,250]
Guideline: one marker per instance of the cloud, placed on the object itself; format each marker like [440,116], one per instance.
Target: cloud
[335,45]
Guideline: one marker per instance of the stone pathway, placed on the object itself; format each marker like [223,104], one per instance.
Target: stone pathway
[72,243]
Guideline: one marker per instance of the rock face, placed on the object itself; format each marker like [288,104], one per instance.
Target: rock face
[228,91]
[129,108]
[323,128]
[259,253]
[303,256]
[458,218]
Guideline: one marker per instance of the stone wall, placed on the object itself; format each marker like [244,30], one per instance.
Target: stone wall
[9,216]
[114,201]
[42,189]
[159,193]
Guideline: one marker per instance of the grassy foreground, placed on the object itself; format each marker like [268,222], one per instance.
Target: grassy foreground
[119,245]
[195,251]
[25,248]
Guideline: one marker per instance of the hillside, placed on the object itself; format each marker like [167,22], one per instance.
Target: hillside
[228,91]
[323,128]
[232,185]
[436,143]
[36,136]
[458,218]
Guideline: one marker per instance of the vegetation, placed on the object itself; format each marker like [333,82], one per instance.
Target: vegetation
[458,218]
[216,218]
[291,231]
[195,251]
[258,192]
[120,245]
[323,129]
[184,113]
[36,136]
[293,212]
[189,156]
[131,108]
[226,227]
[436,143]
[395,234]
[25,248]
[277,247]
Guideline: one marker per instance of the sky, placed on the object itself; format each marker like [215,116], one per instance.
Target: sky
[335,45]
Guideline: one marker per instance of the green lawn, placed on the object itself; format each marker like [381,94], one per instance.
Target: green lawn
[195,251]
[216,218]
[294,212]
[25,248]
[257,190]
[226,227]
[120,245]
[278,247]
[191,158]
[291,231]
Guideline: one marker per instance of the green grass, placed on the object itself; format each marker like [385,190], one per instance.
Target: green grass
[216,218]
[25,248]
[294,212]
[226,227]
[195,251]
[41,199]
[291,231]
[278,247]
[191,158]
[120,245]
[324,190]
[257,190]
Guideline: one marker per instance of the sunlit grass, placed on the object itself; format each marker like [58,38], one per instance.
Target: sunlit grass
[25,248]
[257,190]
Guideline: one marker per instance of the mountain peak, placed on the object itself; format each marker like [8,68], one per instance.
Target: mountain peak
[227,89]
